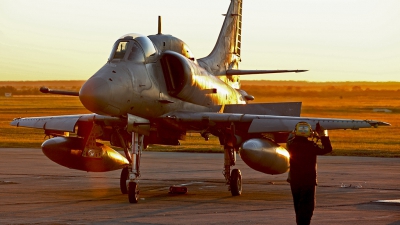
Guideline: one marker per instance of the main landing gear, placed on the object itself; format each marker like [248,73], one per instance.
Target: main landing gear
[129,180]
[122,180]
[234,178]
[236,182]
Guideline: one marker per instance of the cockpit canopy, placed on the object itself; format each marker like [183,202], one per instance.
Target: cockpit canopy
[133,47]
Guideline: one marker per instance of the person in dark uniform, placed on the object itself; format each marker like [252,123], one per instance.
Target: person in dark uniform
[303,167]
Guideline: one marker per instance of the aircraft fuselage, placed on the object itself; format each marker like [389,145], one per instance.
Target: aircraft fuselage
[151,76]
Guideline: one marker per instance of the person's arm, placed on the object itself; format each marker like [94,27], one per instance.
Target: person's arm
[326,146]
[326,142]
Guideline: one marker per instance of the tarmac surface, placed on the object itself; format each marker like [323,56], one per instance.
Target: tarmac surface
[35,190]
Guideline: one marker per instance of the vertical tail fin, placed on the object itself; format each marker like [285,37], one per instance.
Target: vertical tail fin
[226,52]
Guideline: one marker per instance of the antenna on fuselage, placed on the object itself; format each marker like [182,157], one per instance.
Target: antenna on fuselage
[159,25]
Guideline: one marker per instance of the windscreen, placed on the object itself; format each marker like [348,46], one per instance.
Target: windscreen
[136,53]
[121,50]
[135,47]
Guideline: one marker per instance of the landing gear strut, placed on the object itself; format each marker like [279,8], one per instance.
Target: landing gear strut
[234,179]
[129,181]
[134,167]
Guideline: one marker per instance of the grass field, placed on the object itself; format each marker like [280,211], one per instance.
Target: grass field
[331,100]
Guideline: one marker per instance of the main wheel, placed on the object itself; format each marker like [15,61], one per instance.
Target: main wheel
[122,181]
[133,192]
[236,182]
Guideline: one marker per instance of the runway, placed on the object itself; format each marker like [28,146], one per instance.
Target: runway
[35,190]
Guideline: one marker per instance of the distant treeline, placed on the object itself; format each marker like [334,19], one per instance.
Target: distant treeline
[24,90]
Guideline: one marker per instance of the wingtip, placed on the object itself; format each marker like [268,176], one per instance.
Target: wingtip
[15,121]
[44,90]
[378,123]
[384,124]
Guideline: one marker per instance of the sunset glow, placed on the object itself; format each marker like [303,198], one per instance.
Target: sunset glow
[335,40]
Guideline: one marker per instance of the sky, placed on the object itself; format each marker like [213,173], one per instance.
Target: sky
[337,40]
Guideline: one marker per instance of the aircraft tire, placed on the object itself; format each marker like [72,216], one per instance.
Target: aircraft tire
[122,180]
[236,182]
[133,192]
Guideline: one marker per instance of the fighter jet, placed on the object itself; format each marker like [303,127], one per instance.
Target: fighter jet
[153,90]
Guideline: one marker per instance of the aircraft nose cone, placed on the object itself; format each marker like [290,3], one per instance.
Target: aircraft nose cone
[95,94]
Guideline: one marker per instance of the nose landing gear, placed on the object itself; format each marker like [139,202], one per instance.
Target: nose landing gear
[234,178]
[134,167]
[129,180]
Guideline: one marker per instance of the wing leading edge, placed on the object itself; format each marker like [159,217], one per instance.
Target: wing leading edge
[263,123]
[65,123]
[286,124]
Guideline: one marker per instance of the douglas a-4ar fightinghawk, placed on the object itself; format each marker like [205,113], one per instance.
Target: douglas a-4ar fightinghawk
[152,90]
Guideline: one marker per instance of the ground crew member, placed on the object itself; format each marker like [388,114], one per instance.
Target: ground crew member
[303,167]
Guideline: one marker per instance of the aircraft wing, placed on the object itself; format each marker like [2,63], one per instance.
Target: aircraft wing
[201,121]
[64,123]
[261,123]
[285,124]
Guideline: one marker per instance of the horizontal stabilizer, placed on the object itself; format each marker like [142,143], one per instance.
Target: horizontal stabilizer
[250,72]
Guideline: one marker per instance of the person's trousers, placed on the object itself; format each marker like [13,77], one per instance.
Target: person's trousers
[304,202]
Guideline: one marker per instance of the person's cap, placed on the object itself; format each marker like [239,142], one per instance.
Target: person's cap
[303,129]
